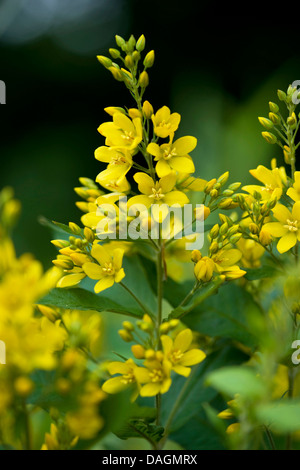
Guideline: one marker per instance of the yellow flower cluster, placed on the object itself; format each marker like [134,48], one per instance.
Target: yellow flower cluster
[175,353]
[36,337]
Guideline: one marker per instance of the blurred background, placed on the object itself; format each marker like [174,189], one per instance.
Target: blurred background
[218,71]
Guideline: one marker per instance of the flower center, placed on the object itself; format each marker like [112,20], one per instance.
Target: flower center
[128,378]
[119,159]
[176,355]
[164,124]
[128,135]
[169,153]
[157,194]
[156,375]
[108,269]
[291,225]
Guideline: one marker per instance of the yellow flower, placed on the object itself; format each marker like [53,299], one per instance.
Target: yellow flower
[154,378]
[114,157]
[114,178]
[164,122]
[173,156]
[294,192]
[108,270]
[158,193]
[272,180]
[124,380]
[287,227]
[180,354]
[122,132]
[75,274]
[225,263]
[204,269]
[185,182]
[251,253]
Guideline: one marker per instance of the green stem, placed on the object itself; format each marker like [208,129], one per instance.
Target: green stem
[27,427]
[159,313]
[270,438]
[145,310]
[176,408]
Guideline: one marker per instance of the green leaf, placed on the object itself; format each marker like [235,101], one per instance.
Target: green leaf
[81,299]
[261,273]
[138,428]
[237,380]
[56,227]
[226,315]
[282,416]
[197,299]
[190,427]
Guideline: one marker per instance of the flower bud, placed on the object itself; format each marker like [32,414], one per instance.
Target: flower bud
[75,228]
[149,60]
[196,256]
[134,113]
[209,186]
[111,110]
[214,193]
[117,74]
[129,61]
[174,323]
[269,137]
[128,326]
[226,203]
[267,123]
[235,238]
[147,109]
[214,231]
[60,243]
[281,95]
[150,354]
[254,229]
[164,328]
[23,386]
[140,44]
[89,234]
[120,41]
[138,351]
[114,53]
[204,269]
[292,120]
[144,79]
[265,238]
[274,108]
[105,61]
[223,178]
[274,118]
[125,335]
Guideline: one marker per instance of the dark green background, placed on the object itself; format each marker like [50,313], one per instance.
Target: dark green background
[219,71]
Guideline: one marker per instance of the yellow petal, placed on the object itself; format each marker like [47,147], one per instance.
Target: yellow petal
[282,213]
[122,121]
[120,275]
[117,367]
[154,150]
[183,340]
[93,271]
[70,280]
[114,385]
[182,164]
[145,182]
[100,254]
[104,283]
[163,168]
[276,229]
[118,258]
[185,145]
[150,390]
[167,344]
[296,211]
[168,182]
[165,385]
[181,370]
[192,357]
[287,242]
[176,197]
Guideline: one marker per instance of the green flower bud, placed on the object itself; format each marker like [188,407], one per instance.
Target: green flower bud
[274,118]
[149,60]
[140,44]
[281,95]
[269,137]
[223,178]
[144,79]
[75,228]
[266,122]
[114,53]
[120,41]
[274,108]
[105,61]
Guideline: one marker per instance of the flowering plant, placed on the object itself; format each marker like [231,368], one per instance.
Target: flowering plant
[201,326]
